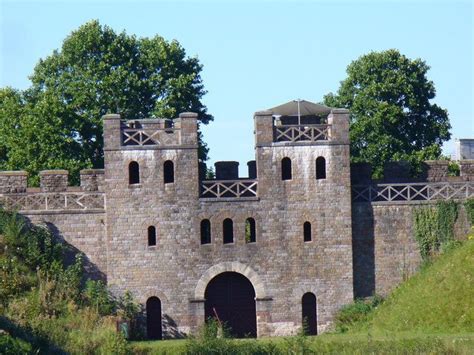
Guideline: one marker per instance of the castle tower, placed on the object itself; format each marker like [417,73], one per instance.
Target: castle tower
[303,171]
[151,183]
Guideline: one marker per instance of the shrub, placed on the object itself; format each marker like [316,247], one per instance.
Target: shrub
[12,346]
[129,310]
[211,338]
[356,313]
[469,206]
[15,279]
[35,246]
[42,297]
[97,295]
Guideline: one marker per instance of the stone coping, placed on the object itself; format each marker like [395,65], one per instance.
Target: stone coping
[111,116]
[228,199]
[14,173]
[54,172]
[92,171]
[152,147]
[59,212]
[188,115]
[437,162]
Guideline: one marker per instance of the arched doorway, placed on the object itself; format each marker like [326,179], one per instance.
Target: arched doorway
[153,318]
[230,296]
[309,313]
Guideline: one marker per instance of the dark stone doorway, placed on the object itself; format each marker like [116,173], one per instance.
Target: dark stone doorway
[309,313]
[153,319]
[230,296]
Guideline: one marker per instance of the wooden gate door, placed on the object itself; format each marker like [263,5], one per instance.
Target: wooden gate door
[231,297]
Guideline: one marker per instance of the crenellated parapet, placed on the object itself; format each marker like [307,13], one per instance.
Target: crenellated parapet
[54,193]
[13,181]
[150,133]
[271,129]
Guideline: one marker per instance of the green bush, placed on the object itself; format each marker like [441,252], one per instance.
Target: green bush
[12,346]
[356,313]
[212,338]
[97,295]
[43,301]
[35,246]
[469,206]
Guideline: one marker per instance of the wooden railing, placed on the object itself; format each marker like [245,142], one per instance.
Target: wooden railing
[142,136]
[412,192]
[228,188]
[301,133]
[54,201]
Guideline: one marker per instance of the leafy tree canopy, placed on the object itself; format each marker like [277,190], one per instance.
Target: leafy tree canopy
[56,123]
[392,117]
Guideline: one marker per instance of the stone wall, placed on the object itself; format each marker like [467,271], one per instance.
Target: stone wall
[384,249]
[82,232]
[76,215]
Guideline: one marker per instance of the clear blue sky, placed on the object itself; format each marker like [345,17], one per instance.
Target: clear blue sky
[257,55]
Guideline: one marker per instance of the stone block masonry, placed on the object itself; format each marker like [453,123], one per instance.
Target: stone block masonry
[150,223]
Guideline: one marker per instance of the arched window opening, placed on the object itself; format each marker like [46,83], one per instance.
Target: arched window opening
[205,231]
[228,231]
[133,173]
[168,172]
[154,328]
[286,169]
[309,315]
[320,168]
[250,233]
[307,231]
[151,236]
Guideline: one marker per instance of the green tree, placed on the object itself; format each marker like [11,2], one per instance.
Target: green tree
[392,117]
[56,123]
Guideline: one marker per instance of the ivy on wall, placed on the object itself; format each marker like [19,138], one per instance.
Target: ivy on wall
[434,226]
[447,216]
[469,206]
[424,228]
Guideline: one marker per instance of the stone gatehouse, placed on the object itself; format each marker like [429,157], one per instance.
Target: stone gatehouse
[295,239]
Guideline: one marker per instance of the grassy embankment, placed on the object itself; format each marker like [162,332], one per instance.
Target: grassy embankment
[431,313]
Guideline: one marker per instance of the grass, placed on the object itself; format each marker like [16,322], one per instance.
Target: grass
[438,299]
[360,343]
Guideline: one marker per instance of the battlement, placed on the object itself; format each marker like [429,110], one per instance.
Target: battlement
[150,133]
[272,128]
[399,172]
[54,194]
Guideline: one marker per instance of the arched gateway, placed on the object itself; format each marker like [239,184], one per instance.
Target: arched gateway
[230,297]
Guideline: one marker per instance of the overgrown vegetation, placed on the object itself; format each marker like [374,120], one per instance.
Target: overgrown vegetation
[356,313]
[434,227]
[46,305]
[469,206]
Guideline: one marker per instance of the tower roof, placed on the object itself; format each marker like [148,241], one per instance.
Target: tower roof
[306,108]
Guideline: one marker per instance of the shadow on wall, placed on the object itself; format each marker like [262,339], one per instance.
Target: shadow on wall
[170,328]
[90,269]
[363,253]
